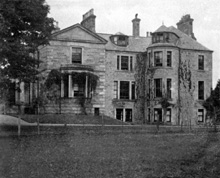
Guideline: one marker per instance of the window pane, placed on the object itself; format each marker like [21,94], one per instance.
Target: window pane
[169,58]
[169,88]
[201,62]
[201,90]
[131,63]
[149,112]
[158,87]
[159,37]
[116,89]
[149,59]
[128,115]
[168,116]
[124,90]
[133,90]
[200,115]
[158,58]
[167,38]
[118,62]
[77,55]
[119,114]
[124,62]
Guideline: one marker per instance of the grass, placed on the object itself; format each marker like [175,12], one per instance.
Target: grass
[130,155]
[71,119]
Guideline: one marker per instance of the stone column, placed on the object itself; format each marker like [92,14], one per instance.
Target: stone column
[31,93]
[86,87]
[62,88]
[22,93]
[124,115]
[130,88]
[70,86]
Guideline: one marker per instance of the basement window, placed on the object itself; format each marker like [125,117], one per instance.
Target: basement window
[124,114]
[168,115]
[200,115]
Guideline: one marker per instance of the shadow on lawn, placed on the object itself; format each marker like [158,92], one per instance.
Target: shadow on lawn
[204,163]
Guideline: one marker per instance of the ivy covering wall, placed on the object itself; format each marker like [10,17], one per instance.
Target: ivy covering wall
[139,106]
[186,101]
[52,86]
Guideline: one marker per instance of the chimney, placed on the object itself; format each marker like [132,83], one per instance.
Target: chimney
[186,26]
[148,34]
[136,26]
[89,20]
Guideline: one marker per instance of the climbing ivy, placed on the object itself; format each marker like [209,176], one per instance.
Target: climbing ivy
[186,90]
[53,84]
[140,88]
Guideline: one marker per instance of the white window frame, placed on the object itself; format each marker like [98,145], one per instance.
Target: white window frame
[130,62]
[203,115]
[124,113]
[82,50]
[203,62]
[118,89]
[159,51]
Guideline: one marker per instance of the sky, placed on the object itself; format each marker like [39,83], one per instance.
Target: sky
[114,16]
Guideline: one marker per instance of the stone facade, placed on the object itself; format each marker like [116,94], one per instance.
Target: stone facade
[127,68]
[178,70]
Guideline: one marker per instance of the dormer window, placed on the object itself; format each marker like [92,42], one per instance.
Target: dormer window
[119,39]
[164,37]
[159,37]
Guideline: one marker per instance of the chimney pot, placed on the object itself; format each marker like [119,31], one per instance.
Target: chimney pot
[186,25]
[89,20]
[136,26]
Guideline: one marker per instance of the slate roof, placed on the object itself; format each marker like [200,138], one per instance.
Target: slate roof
[136,44]
[162,28]
[185,41]
[139,44]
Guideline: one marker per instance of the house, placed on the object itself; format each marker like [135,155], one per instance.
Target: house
[179,70]
[133,72]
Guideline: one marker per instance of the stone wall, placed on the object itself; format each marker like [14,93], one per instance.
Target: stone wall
[58,54]
[189,102]
[163,73]
[184,74]
[111,75]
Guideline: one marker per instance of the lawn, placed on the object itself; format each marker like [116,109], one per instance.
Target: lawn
[128,155]
[71,119]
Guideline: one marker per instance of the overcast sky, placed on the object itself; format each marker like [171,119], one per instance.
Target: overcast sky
[114,16]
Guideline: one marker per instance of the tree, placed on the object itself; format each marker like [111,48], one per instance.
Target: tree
[212,104]
[53,88]
[24,26]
